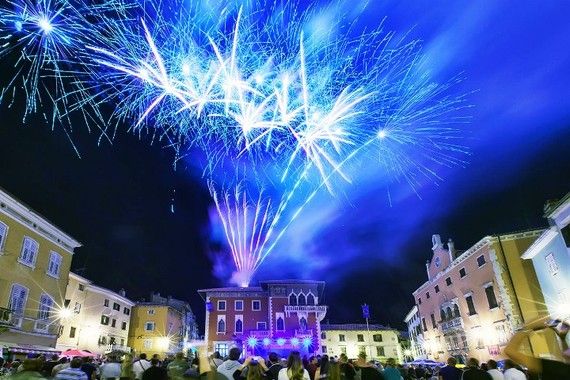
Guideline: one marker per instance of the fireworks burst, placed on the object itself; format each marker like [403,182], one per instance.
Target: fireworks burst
[286,89]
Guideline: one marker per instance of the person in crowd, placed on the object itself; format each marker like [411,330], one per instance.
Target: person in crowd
[154,371]
[30,371]
[228,367]
[127,372]
[366,370]
[312,366]
[322,371]
[347,371]
[273,366]
[216,360]
[450,371]
[73,372]
[63,363]
[89,367]
[140,366]
[253,368]
[48,365]
[493,370]
[294,369]
[420,372]
[473,372]
[111,369]
[546,368]
[177,367]
[334,370]
[512,372]
[390,371]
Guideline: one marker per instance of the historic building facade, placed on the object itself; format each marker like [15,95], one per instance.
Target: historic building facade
[376,341]
[474,300]
[35,257]
[162,326]
[94,318]
[417,346]
[276,316]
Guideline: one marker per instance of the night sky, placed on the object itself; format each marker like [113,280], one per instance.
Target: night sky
[116,199]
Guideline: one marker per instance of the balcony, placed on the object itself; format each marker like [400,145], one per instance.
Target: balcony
[451,324]
[315,308]
[117,348]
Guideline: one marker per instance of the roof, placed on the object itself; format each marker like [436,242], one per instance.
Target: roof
[232,289]
[354,327]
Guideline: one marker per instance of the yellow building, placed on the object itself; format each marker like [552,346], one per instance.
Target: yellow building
[95,319]
[35,257]
[162,325]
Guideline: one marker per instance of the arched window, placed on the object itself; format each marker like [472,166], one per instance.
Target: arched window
[280,324]
[442,315]
[239,326]
[293,299]
[303,324]
[448,313]
[310,299]
[456,311]
[221,326]
[302,300]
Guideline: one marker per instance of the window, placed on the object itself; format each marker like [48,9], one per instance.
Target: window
[238,305]
[470,305]
[122,341]
[341,338]
[551,264]
[29,252]
[106,303]
[103,340]
[280,322]
[293,299]
[104,320]
[221,305]
[239,324]
[491,299]
[310,299]
[3,234]
[323,335]
[501,333]
[343,349]
[256,305]
[81,287]
[113,322]
[77,308]
[262,326]
[72,332]
[221,327]
[18,299]
[302,300]
[361,349]
[360,337]
[124,326]
[481,261]
[54,264]
[116,306]
[126,311]
[380,351]
[424,324]
[437,288]
[433,324]
[149,326]
[462,272]
[222,348]
[456,311]
[324,349]
[147,343]
[377,337]
[442,315]
[448,281]
[46,304]
[150,311]
[427,295]
[66,303]
[419,301]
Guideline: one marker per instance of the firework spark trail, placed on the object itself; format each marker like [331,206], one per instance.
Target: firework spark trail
[260,89]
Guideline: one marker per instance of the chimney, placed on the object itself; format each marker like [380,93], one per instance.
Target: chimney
[427,269]
[451,249]
[122,292]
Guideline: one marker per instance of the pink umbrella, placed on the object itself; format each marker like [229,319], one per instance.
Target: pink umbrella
[75,353]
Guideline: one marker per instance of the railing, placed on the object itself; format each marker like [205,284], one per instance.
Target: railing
[117,347]
[317,308]
[455,323]
[303,333]
[260,333]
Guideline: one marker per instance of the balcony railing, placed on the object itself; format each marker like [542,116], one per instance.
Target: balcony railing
[451,324]
[117,347]
[260,333]
[317,308]
[303,333]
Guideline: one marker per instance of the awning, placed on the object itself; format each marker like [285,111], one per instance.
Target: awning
[28,349]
